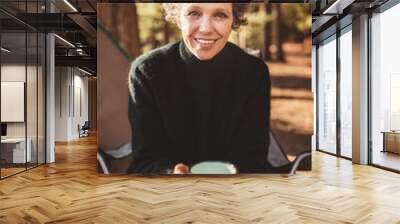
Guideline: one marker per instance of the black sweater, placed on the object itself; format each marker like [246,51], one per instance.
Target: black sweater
[184,110]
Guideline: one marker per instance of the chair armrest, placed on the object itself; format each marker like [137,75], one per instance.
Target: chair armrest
[107,159]
[102,163]
[295,164]
[119,153]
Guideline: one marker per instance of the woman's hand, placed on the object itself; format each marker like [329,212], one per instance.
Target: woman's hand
[181,168]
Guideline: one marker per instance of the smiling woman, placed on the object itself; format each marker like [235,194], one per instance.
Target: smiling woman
[201,98]
[205,27]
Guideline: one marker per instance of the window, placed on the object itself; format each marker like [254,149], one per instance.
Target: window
[385,88]
[346,92]
[327,95]
[22,105]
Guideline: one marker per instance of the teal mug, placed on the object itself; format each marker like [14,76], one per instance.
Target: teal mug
[213,167]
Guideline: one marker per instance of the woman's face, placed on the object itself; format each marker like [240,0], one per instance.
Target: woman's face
[205,27]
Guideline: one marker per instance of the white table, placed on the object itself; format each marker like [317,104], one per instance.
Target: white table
[18,144]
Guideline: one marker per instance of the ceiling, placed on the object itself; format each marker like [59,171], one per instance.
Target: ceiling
[325,13]
[74,21]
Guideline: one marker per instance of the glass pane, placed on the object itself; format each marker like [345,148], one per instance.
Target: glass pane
[31,97]
[41,98]
[385,86]
[346,94]
[13,86]
[327,96]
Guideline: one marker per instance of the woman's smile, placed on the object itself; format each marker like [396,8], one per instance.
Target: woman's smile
[205,43]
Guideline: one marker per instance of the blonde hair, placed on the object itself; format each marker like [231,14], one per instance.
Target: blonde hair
[171,13]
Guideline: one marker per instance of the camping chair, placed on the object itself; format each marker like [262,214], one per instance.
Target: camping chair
[276,157]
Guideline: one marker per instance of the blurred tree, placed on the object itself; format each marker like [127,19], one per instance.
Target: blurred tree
[254,31]
[123,32]
[128,29]
[265,30]
[154,29]
[166,30]
[297,20]
[280,54]
[267,34]
[284,22]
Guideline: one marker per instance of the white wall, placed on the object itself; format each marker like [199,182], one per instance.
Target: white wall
[81,101]
[16,73]
[33,126]
[12,73]
[71,93]
[9,73]
[62,81]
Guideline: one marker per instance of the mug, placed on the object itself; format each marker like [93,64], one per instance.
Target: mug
[213,167]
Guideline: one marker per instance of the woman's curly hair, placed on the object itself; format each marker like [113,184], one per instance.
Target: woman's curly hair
[171,13]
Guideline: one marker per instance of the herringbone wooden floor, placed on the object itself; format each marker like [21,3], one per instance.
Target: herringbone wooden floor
[70,191]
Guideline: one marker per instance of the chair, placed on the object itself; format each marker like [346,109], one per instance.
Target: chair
[276,157]
[84,130]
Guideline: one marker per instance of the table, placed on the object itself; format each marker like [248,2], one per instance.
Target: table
[391,141]
[13,150]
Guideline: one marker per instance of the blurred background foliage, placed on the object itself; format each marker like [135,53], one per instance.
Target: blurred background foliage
[297,21]
[269,27]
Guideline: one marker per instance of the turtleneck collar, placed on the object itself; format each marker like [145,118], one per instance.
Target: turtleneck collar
[191,59]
